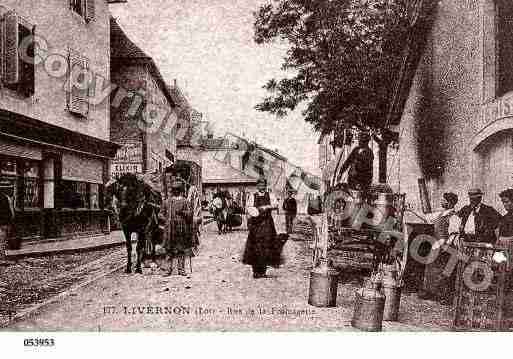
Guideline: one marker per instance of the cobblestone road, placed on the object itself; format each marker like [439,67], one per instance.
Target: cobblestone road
[219,295]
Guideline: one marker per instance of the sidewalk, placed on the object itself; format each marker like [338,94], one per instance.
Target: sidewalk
[59,246]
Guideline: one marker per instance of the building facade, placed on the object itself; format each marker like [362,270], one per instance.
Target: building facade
[189,160]
[142,110]
[453,108]
[54,130]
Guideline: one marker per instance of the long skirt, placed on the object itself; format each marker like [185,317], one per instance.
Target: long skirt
[263,248]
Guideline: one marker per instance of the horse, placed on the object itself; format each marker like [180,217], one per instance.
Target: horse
[139,207]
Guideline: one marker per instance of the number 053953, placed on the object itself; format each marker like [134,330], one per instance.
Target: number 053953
[38,342]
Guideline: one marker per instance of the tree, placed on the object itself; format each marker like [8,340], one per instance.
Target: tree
[343,56]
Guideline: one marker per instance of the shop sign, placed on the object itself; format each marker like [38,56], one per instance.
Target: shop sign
[129,152]
[505,106]
[118,169]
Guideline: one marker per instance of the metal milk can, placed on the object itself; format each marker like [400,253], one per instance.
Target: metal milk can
[391,284]
[323,285]
[369,306]
[354,205]
[382,208]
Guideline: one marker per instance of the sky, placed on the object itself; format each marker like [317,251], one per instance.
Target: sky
[208,47]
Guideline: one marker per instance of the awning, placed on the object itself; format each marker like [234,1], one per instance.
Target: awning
[29,131]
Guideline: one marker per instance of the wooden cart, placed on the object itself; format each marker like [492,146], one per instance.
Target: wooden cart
[365,246]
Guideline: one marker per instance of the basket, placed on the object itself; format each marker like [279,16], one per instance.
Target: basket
[481,308]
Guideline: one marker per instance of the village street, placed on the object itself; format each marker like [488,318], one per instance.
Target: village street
[219,295]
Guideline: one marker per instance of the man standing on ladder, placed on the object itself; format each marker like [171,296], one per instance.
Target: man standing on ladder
[360,164]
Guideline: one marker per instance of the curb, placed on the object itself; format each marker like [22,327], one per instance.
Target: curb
[26,312]
[11,256]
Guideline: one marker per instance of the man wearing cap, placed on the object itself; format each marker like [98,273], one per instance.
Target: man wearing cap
[478,221]
[261,243]
[360,164]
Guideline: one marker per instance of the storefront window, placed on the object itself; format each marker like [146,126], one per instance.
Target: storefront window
[74,194]
[31,185]
[23,175]
[94,196]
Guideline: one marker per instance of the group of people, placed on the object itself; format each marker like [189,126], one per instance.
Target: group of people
[474,222]
[226,211]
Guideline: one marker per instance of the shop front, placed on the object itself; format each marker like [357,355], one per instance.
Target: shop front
[55,178]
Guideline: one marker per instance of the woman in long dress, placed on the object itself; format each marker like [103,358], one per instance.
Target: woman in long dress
[260,251]
[438,284]
[180,239]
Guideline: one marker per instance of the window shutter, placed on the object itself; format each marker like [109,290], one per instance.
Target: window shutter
[30,73]
[89,10]
[2,41]
[89,90]
[11,65]
[77,101]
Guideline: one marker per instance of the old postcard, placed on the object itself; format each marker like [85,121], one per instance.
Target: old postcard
[255,165]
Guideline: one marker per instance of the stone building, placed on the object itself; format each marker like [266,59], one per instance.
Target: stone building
[189,159]
[54,129]
[453,108]
[143,112]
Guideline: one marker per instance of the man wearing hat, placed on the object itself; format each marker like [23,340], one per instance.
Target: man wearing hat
[290,208]
[478,221]
[360,164]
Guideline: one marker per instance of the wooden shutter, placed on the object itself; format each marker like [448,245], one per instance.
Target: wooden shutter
[89,90]
[77,98]
[2,41]
[11,64]
[89,10]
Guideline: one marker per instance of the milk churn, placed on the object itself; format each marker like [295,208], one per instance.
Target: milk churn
[391,285]
[323,285]
[369,306]
[354,204]
[383,207]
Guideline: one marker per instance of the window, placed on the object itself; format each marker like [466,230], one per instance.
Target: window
[31,184]
[74,194]
[77,98]
[79,195]
[94,196]
[85,8]
[24,177]
[17,74]
[504,46]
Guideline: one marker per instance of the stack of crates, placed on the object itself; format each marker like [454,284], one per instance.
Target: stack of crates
[481,307]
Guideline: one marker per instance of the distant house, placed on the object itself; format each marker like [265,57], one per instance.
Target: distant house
[55,143]
[232,157]
[141,109]
[222,170]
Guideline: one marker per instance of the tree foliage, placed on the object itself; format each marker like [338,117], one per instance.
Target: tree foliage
[343,56]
